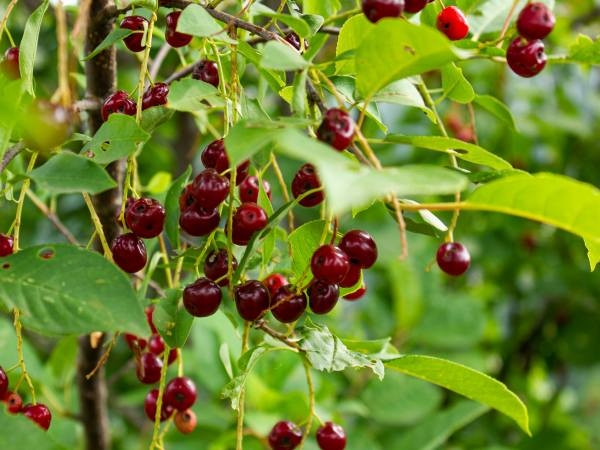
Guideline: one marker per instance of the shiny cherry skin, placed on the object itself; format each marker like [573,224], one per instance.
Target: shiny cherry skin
[360,248]
[356,295]
[376,10]
[452,22]
[535,21]
[156,344]
[148,368]
[180,393]
[287,305]
[185,421]
[322,296]
[187,198]
[331,436]
[134,41]
[10,64]
[118,102]
[14,403]
[248,189]
[207,71]
[329,263]
[129,252]
[285,435]
[414,6]
[150,405]
[337,129]
[216,266]
[306,179]
[252,300]
[174,38]
[198,221]
[145,217]
[210,189]
[202,298]
[274,281]
[214,156]
[526,58]
[353,275]
[6,248]
[295,41]
[155,95]
[453,258]
[248,219]
[3,383]
[135,343]
[39,413]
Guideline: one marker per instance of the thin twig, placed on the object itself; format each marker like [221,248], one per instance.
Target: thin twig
[10,154]
[262,325]
[52,217]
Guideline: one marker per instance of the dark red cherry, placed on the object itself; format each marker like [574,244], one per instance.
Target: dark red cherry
[202,298]
[248,219]
[248,189]
[287,305]
[149,311]
[10,63]
[207,71]
[180,393]
[353,275]
[216,266]
[331,436]
[305,180]
[210,188]
[358,294]
[337,129]
[187,199]
[14,402]
[156,344]
[135,343]
[155,95]
[150,405]
[322,296]
[39,413]
[453,258]
[118,102]
[172,36]
[145,217]
[198,221]
[214,156]
[129,252]
[452,22]
[148,368]
[376,10]
[360,248]
[329,263]
[535,21]
[526,58]
[252,300]
[285,435]
[6,245]
[274,281]
[414,6]
[3,383]
[134,41]
[295,41]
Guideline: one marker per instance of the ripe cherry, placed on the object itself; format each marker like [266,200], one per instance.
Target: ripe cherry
[414,6]
[248,189]
[210,189]
[214,156]
[135,343]
[39,413]
[535,21]
[285,435]
[138,24]
[526,58]
[360,248]
[305,180]
[129,252]
[155,95]
[202,298]
[274,281]
[148,368]
[353,275]
[287,305]
[156,344]
[376,10]
[6,245]
[180,393]
[150,405]
[248,219]
[453,258]
[331,436]
[172,36]
[356,295]
[3,383]
[337,129]
[118,102]
[295,41]
[329,263]
[10,63]
[252,300]
[207,71]
[197,221]
[185,421]
[322,296]
[216,266]
[14,403]
[145,217]
[452,22]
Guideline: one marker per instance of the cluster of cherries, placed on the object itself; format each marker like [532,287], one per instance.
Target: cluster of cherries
[37,412]
[525,54]
[286,435]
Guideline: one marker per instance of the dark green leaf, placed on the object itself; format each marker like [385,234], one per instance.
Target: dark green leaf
[19,432]
[172,206]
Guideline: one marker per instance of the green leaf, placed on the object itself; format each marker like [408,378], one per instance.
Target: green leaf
[24,433]
[419,49]
[455,85]
[172,206]
[172,319]
[154,117]
[327,352]
[494,106]
[325,9]
[295,23]
[29,44]
[465,381]
[351,35]
[189,94]
[303,242]
[62,289]
[553,199]
[403,92]
[246,139]
[195,20]
[62,362]
[278,56]
[117,138]
[584,50]
[461,149]
[68,173]
[115,35]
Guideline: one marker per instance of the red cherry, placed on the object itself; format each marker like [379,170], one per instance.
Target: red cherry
[274,281]
[252,300]
[414,6]
[216,266]
[535,21]
[172,36]
[134,41]
[214,156]
[3,383]
[452,22]
[453,258]
[6,245]
[156,344]
[285,435]
[207,71]
[352,277]
[145,217]
[322,296]
[202,298]
[248,219]
[156,95]
[118,102]
[10,64]
[210,189]
[305,180]
[287,305]
[526,58]
[148,368]
[337,129]
[331,436]
[197,221]
[248,189]
[14,403]
[180,393]
[150,404]
[376,10]
[360,248]
[149,311]
[129,252]
[39,413]
[356,295]
[329,263]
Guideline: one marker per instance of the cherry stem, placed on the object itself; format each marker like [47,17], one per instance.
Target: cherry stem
[506,24]
[10,154]
[9,9]
[262,325]
[165,257]
[311,400]
[98,226]
[24,373]
[104,357]
[21,201]
[156,437]
[284,190]
[239,432]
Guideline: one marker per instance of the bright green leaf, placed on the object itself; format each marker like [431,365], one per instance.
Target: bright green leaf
[403,92]
[497,108]
[295,23]
[172,320]
[195,20]
[190,94]
[29,45]
[351,35]
[278,56]
[114,36]
[303,242]
[172,206]
[584,50]
[455,85]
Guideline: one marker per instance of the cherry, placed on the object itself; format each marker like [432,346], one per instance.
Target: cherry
[150,405]
[156,95]
[358,294]
[305,180]
[39,413]
[322,296]
[216,266]
[210,189]
[252,300]
[414,6]
[360,248]
[48,125]
[526,58]
[535,21]
[185,421]
[198,221]
[187,199]
[134,41]
[287,304]
[329,263]
[207,71]
[156,344]
[134,342]
[149,311]
[274,281]
[248,189]
[453,258]
[148,368]
[285,435]
[118,102]
[6,245]
[247,220]
[14,403]
[145,217]
[180,393]
[376,10]
[353,275]
[10,64]
[214,156]
[3,383]
[295,41]
[202,298]
[129,252]
[174,38]
[173,355]
[331,436]
[337,129]
[452,22]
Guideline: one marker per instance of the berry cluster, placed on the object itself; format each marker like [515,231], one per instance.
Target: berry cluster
[286,435]
[37,412]
[525,54]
